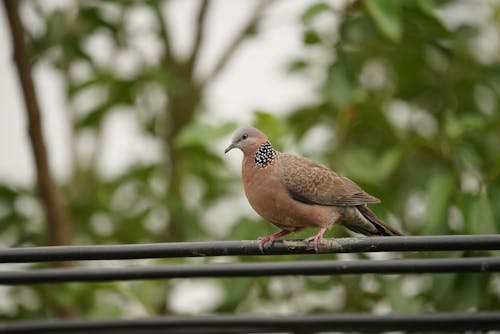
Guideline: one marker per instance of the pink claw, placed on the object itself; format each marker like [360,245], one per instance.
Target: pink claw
[263,241]
[271,238]
[316,239]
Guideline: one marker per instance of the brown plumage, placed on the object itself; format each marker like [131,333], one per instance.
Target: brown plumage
[293,192]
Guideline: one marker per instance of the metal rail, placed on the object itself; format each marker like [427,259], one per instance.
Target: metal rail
[237,248]
[401,266]
[435,322]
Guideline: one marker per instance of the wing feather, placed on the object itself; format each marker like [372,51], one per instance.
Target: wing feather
[310,182]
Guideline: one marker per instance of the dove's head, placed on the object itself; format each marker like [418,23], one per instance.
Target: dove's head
[247,139]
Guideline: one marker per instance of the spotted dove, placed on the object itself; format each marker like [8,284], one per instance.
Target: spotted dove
[293,192]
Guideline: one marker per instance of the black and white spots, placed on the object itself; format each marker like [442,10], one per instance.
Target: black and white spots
[264,155]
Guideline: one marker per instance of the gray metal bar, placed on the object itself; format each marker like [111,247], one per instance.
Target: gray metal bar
[435,322]
[400,266]
[237,248]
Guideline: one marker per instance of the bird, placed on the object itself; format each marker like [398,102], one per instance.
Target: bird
[293,192]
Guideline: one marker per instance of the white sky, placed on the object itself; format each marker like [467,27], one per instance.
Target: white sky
[255,79]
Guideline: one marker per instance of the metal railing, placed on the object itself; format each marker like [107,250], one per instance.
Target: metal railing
[436,322]
[241,248]
[253,324]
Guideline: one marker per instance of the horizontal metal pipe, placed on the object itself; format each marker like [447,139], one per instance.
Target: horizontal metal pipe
[400,266]
[435,322]
[237,248]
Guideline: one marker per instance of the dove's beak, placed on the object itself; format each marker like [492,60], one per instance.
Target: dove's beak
[229,148]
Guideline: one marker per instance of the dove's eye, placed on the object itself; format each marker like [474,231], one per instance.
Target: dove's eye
[245,136]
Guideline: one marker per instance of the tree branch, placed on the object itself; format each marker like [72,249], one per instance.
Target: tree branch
[58,229]
[164,31]
[247,30]
[198,37]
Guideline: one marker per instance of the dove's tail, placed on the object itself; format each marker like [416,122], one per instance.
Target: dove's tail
[382,228]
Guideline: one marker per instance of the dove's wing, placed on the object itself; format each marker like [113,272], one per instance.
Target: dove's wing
[309,182]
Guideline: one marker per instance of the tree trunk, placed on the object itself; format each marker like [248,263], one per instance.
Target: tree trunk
[181,108]
[57,228]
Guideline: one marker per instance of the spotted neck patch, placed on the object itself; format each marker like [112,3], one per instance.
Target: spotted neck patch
[265,155]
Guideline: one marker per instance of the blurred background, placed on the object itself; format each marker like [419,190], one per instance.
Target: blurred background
[138,101]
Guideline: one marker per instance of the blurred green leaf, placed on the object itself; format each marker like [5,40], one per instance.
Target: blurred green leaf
[166,77]
[424,15]
[439,190]
[427,6]
[341,84]
[273,127]
[443,290]
[94,118]
[400,301]
[236,292]
[91,18]
[386,15]
[200,134]
[313,11]
[55,27]
[458,126]
[301,120]
[472,289]
[7,193]
[297,65]
[311,37]
[70,292]
[75,88]
[107,304]
[364,165]
[481,219]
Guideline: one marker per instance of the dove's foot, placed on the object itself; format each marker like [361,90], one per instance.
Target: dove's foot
[317,238]
[271,238]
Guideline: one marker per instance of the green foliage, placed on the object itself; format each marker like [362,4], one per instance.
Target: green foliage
[401,97]
[271,126]
[382,166]
[439,191]
[313,11]
[409,105]
[198,134]
[340,88]
[385,13]
[480,215]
